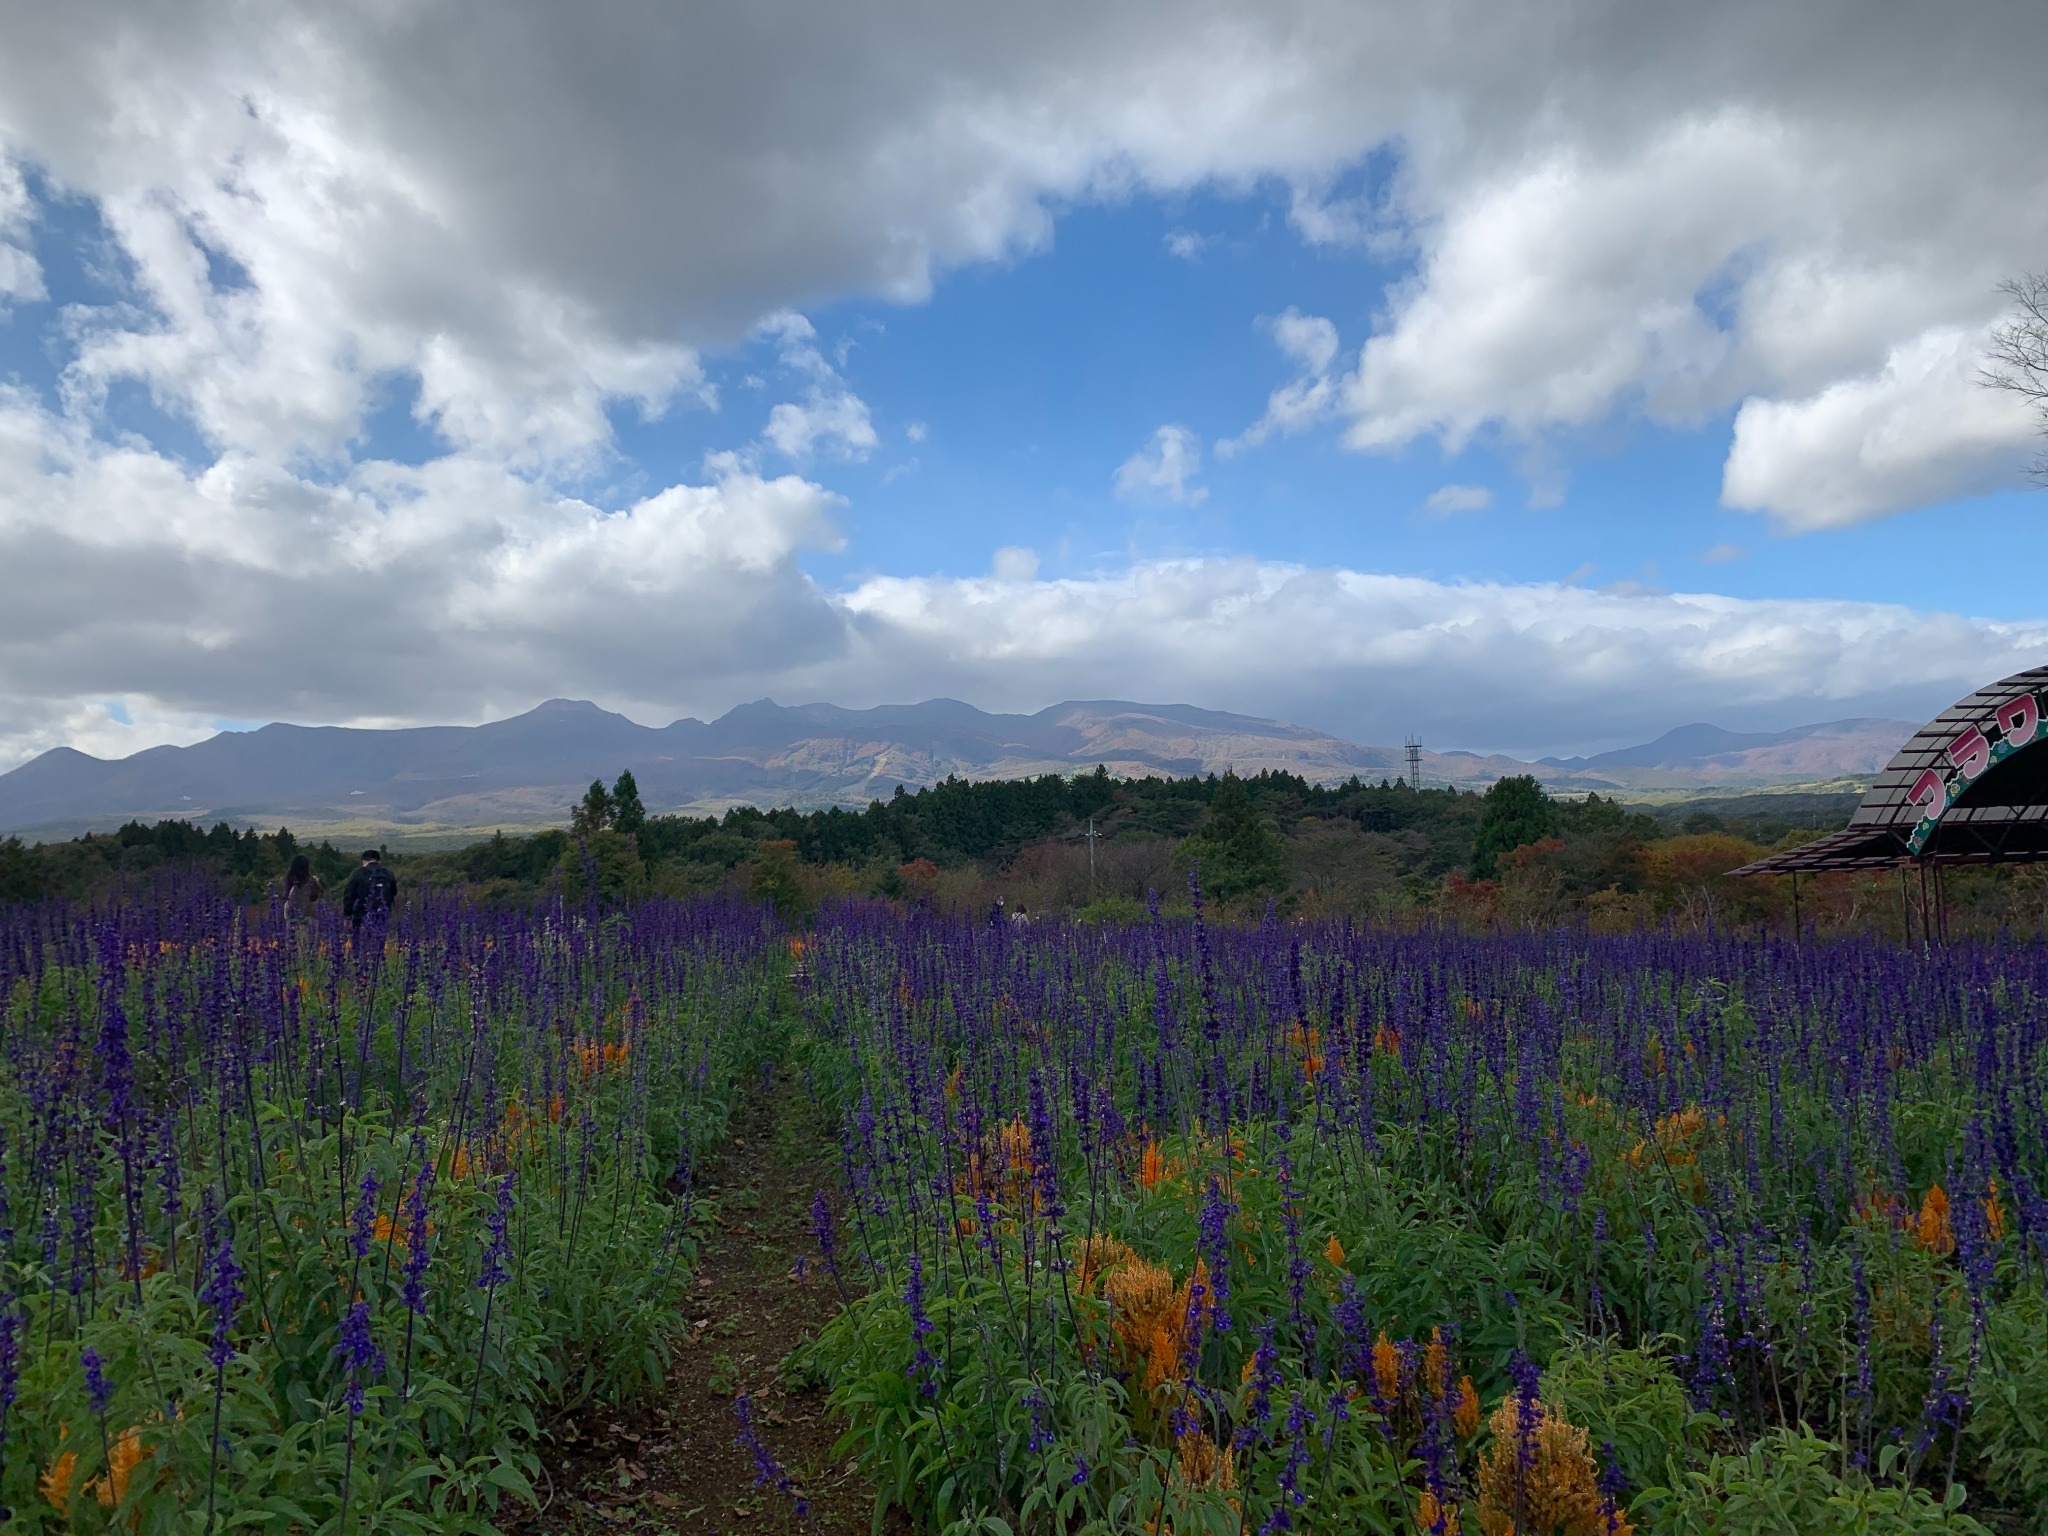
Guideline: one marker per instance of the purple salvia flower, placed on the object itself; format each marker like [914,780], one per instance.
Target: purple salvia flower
[1215,1224]
[415,1291]
[362,1222]
[10,1358]
[493,1273]
[924,1366]
[223,1293]
[97,1390]
[1258,1412]
[358,1354]
[768,1472]
[1041,1438]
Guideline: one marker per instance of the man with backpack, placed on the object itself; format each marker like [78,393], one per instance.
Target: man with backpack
[371,888]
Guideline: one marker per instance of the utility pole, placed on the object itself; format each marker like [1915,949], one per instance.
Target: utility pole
[1091,855]
[1414,763]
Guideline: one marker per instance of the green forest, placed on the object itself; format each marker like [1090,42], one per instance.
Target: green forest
[1099,846]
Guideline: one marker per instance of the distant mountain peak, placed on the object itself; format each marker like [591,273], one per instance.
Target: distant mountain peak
[525,771]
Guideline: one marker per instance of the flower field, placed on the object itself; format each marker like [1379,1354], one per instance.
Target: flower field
[311,1234]
[1191,1229]
[1168,1228]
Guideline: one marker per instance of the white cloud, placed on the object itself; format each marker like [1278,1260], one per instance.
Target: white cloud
[1310,343]
[1920,429]
[1449,500]
[1161,470]
[1185,244]
[458,591]
[838,420]
[1654,208]
[917,431]
[1535,667]
[21,275]
[1014,563]
[830,416]
[1724,553]
[532,216]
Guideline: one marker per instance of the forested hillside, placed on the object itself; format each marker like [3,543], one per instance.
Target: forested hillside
[1375,850]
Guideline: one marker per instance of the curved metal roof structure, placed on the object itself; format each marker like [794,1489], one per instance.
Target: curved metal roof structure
[1971,787]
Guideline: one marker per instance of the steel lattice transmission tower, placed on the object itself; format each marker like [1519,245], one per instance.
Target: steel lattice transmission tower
[1414,763]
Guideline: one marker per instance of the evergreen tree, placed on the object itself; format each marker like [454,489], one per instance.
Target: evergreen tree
[1514,813]
[595,813]
[1239,854]
[628,814]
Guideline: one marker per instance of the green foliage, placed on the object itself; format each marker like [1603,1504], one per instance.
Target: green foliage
[628,814]
[1515,813]
[1787,1482]
[2009,1407]
[1630,1399]
[775,879]
[594,812]
[1237,854]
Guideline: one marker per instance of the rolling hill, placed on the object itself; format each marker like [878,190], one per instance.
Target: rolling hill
[526,771]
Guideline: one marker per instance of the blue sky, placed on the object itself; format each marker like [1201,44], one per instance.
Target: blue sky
[1372,367]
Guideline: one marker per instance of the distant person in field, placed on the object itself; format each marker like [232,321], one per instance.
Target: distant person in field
[301,889]
[1020,918]
[372,888]
[995,913]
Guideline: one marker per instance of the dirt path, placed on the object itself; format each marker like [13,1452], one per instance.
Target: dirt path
[676,1466]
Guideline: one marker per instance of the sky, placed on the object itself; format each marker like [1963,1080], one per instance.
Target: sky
[1522,377]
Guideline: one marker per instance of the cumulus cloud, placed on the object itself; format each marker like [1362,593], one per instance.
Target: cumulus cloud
[1161,470]
[444,590]
[149,599]
[21,275]
[1310,343]
[1371,656]
[1449,500]
[830,418]
[1921,428]
[524,218]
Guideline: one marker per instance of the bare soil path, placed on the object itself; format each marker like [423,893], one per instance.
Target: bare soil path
[676,1465]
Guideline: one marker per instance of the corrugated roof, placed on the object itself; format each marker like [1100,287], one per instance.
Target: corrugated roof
[1964,790]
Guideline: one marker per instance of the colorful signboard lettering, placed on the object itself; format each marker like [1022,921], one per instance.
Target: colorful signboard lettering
[2015,724]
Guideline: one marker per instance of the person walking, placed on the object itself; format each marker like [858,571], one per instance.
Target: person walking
[301,889]
[371,888]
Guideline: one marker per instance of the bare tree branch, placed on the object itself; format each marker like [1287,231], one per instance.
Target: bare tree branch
[2018,361]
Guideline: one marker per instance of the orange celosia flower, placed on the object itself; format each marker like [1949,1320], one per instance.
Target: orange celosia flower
[1465,1409]
[1202,1465]
[1436,1375]
[1099,1255]
[1153,1168]
[55,1482]
[1994,1214]
[1931,1232]
[123,1456]
[1334,1251]
[1559,1486]
[1386,1368]
[1434,1519]
[1387,1041]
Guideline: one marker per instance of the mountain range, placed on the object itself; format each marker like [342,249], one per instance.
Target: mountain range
[527,771]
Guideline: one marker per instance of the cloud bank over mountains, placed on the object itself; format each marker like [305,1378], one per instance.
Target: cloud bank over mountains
[530,223]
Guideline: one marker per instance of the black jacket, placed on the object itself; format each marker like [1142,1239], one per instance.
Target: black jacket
[371,888]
